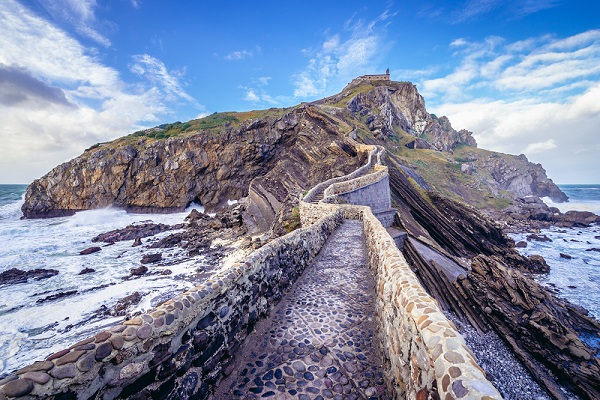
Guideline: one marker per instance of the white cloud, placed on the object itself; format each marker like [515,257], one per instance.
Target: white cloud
[332,43]
[251,96]
[238,55]
[540,147]
[256,92]
[341,57]
[78,13]
[156,72]
[72,99]
[539,96]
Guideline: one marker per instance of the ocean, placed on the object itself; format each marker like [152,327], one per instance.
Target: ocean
[32,324]
[576,279]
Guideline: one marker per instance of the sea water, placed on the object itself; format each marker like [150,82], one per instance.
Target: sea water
[31,328]
[576,279]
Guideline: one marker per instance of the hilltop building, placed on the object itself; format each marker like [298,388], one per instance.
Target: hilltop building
[371,78]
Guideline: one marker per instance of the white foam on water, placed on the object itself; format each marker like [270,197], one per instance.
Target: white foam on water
[579,205]
[576,279]
[31,328]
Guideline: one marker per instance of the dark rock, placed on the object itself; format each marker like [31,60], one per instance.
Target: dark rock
[131,232]
[137,241]
[538,265]
[138,271]
[90,250]
[538,238]
[579,219]
[521,244]
[120,309]
[57,296]
[86,271]
[14,275]
[593,249]
[168,242]
[151,258]
[566,256]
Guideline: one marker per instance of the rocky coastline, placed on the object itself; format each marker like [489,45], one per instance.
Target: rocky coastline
[455,202]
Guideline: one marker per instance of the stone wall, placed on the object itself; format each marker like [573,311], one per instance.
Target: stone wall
[360,171]
[371,190]
[425,352]
[182,347]
[426,356]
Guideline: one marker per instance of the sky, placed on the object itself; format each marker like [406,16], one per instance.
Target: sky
[522,75]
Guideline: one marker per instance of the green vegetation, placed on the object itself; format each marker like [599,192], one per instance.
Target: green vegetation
[341,103]
[293,222]
[211,124]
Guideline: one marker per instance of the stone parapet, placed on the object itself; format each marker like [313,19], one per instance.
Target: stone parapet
[310,196]
[183,346]
[425,352]
[357,183]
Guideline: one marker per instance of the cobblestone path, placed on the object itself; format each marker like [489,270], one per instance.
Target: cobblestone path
[321,340]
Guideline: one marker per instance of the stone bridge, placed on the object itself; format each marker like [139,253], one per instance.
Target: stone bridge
[331,310]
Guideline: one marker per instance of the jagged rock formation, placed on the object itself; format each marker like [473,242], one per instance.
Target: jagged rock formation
[472,269]
[268,156]
[518,175]
[265,159]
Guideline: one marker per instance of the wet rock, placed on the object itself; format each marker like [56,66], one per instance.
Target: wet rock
[90,250]
[538,238]
[578,219]
[168,242]
[57,296]
[137,241]
[593,249]
[521,244]
[86,271]
[538,265]
[565,256]
[138,271]
[120,309]
[14,275]
[131,232]
[151,258]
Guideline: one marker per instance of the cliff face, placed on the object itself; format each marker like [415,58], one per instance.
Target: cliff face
[518,175]
[265,156]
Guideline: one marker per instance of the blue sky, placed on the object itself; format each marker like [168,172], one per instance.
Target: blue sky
[523,75]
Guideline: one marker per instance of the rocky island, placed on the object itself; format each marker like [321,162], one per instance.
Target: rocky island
[453,204]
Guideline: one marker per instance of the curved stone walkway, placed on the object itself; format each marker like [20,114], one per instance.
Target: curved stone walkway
[321,341]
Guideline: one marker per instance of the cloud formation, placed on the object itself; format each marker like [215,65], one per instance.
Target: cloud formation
[58,98]
[341,57]
[538,96]
[18,86]
[472,10]
[78,13]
